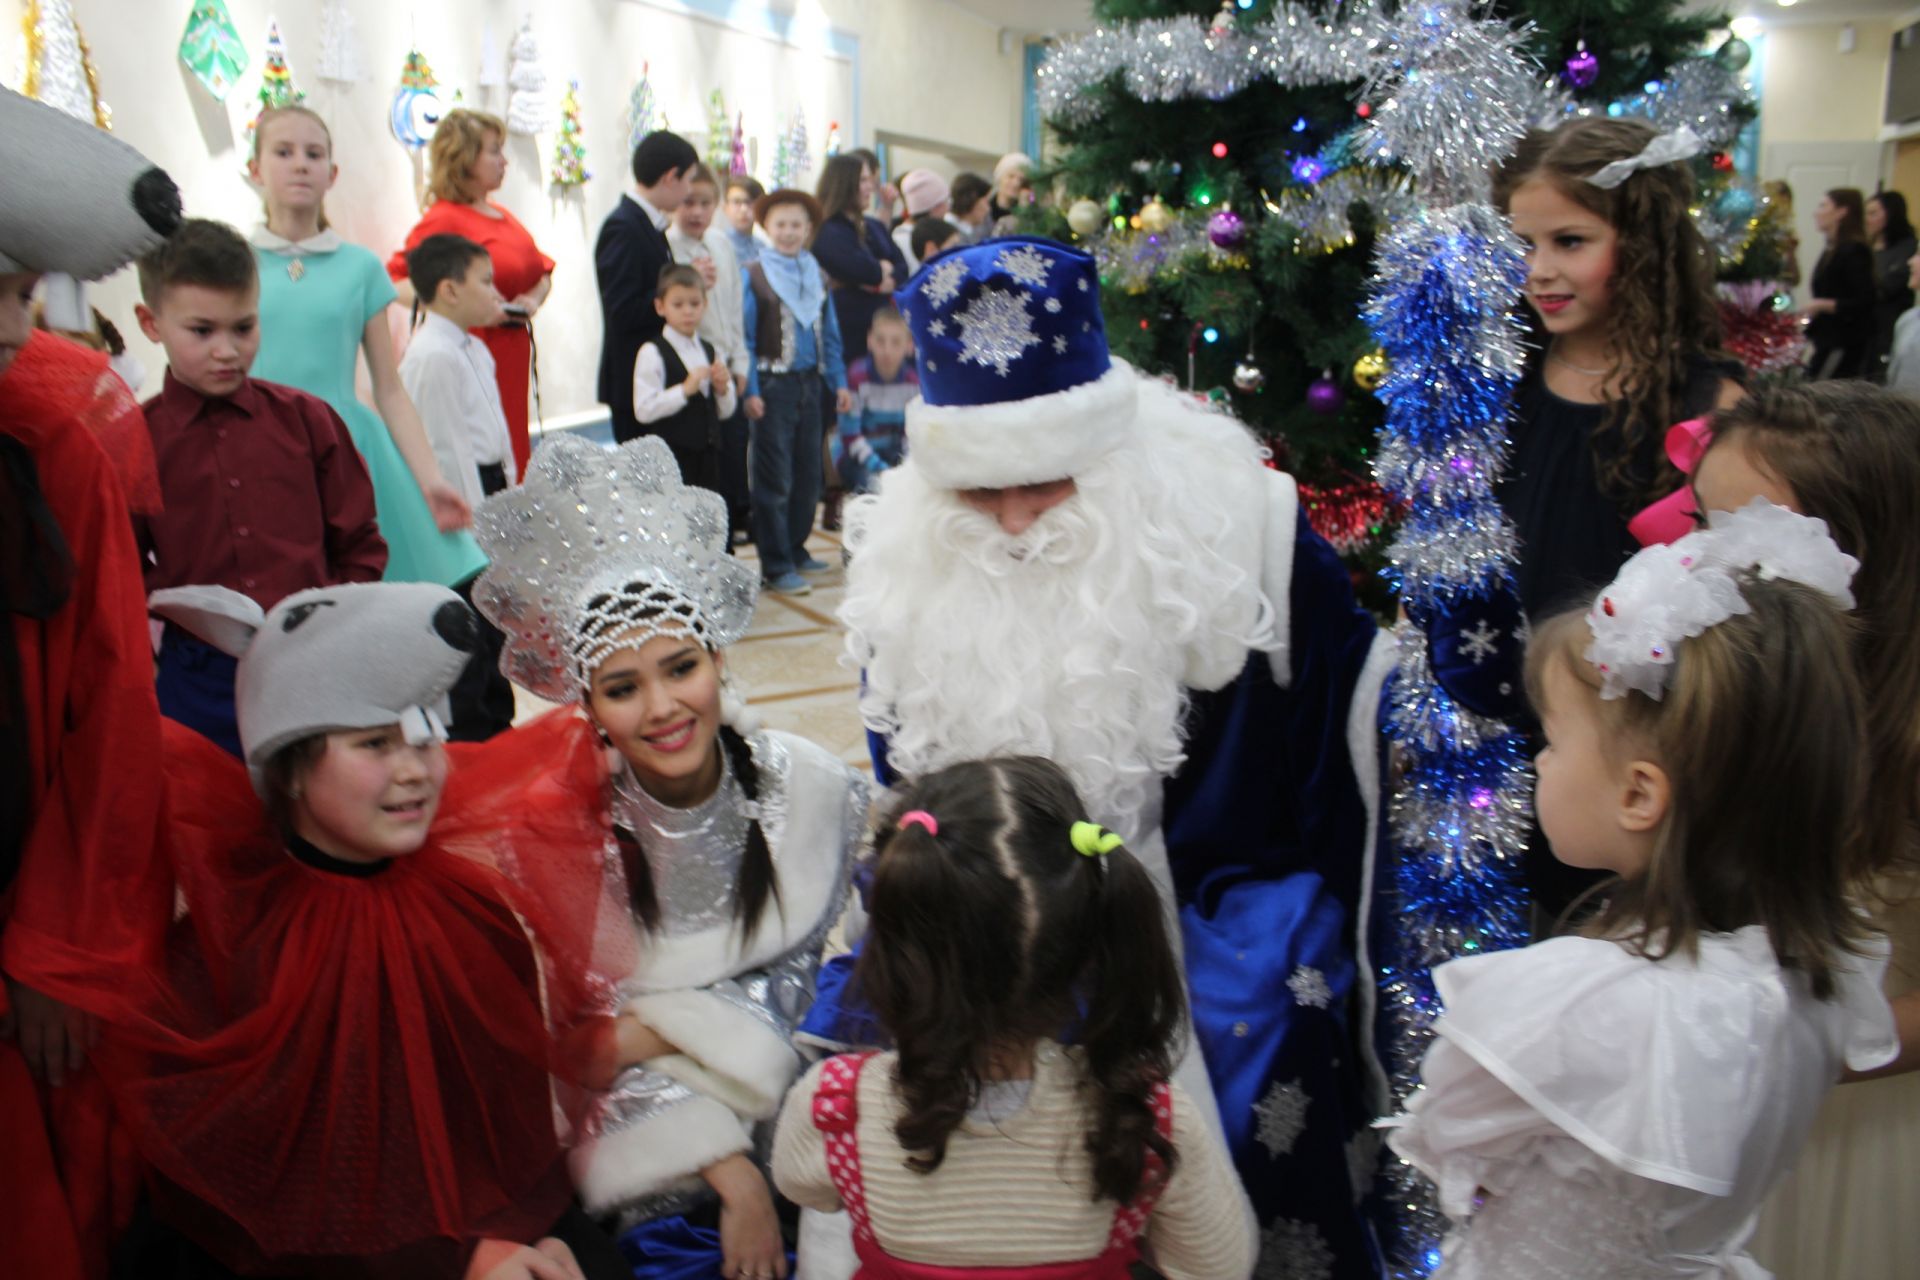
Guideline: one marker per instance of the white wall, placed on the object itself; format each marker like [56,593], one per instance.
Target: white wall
[1812,92]
[921,67]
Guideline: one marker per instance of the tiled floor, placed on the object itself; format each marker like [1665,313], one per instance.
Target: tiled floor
[790,663]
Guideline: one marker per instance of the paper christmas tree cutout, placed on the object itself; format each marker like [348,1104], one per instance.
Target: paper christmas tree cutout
[799,159]
[782,165]
[719,133]
[339,59]
[641,108]
[738,163]
[416,103]
[569,149]
[527,107]
[833,139]
[212,49]
[59,66]
[276,80]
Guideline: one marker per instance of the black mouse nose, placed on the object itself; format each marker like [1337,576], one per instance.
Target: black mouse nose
[157,201]
[453,622]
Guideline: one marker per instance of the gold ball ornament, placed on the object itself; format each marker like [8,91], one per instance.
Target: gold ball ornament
[1369,369]
[1085,217]
[1155,217]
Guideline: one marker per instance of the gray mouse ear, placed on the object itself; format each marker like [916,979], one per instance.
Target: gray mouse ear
[221,617]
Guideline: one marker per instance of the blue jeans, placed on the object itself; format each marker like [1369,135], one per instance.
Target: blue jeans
[194,682]
[786,469]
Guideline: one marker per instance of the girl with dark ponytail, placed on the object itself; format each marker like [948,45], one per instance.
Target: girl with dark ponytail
[1017,955]
[728,850]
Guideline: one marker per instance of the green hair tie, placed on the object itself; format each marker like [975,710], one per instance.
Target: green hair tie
[1091,840]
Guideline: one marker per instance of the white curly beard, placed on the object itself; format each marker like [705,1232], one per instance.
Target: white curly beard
[1077,640]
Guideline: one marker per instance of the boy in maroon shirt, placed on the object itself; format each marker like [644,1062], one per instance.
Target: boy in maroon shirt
[263,488]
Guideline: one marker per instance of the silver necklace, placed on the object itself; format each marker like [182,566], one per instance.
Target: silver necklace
[1559,359]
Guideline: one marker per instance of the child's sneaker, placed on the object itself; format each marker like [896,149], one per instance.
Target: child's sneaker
[790,584]
[813,564]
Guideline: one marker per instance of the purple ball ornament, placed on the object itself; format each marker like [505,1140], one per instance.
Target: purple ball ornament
[1324,396]
[1227,229]
[1582,68]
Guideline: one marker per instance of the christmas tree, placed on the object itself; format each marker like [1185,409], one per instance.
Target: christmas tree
[719,133]
[799,159]
[640,111]
[276,81]
[782,162]
[1210,156]
[527,108]
[569,151]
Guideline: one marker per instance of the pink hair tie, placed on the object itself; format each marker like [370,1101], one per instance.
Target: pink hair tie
[919,818]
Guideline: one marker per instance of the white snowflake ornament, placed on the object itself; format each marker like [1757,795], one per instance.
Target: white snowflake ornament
[1283,1117]
[1309,987]
[1291,1250]
[995,330]
[1481,643]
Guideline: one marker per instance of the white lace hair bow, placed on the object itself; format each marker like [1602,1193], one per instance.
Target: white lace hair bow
[1682,144]
[1666,594]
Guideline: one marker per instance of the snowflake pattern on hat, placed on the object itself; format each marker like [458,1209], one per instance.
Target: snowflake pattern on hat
[996,329]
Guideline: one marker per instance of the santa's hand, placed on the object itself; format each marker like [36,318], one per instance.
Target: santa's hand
[53,1036]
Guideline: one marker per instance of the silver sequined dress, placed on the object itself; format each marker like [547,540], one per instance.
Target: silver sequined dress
[729,1008]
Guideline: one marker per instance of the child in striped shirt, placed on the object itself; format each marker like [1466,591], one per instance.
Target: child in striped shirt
[872,438]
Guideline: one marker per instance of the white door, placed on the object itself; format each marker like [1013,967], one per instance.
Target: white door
[1812,169]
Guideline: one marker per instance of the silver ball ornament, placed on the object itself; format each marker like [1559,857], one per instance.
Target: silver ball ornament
[1248,376]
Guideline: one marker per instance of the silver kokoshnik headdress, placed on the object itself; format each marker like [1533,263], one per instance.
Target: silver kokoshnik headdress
[601,550]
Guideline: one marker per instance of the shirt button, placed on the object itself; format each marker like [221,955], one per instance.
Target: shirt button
[248,583]
[241,532]
[233,484]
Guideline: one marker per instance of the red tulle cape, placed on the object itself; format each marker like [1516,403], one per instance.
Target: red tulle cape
[348,1073]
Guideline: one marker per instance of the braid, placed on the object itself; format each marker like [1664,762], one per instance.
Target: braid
[757,882]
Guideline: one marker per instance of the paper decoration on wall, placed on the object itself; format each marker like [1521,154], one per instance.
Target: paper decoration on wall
[527,107]
[59,66]
[719,133]
[276,80]
[737,163]
[493,64]
[570,149]
[641,110]
[416,103]
[212,49]
[339,59]
[782,164]
[799,159]
[833,139]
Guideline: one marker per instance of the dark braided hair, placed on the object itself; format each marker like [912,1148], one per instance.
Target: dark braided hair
[995,933]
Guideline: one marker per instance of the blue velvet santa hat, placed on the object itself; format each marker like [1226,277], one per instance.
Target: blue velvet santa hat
[1016,385]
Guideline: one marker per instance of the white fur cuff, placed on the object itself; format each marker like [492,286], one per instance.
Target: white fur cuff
[665,1151]
[725,1052]
[1050,437]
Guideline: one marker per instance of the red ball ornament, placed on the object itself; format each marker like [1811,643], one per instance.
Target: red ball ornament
[1722,162]
[1363,111]
[1219,151]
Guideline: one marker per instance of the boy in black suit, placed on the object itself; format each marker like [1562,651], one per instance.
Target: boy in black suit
[627,261]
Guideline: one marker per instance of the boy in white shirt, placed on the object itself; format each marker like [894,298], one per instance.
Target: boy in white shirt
[696,240]
[448,373]
[682,391]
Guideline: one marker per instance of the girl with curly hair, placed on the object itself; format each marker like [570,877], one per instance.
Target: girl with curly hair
[1625,339]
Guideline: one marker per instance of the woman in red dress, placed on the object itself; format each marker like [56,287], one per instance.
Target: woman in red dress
[468,164]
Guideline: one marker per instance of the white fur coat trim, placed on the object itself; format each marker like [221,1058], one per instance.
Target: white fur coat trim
[1363,742]
[1283,521]
[1031,441]
[725,1052]
[661,1153]
[809,860]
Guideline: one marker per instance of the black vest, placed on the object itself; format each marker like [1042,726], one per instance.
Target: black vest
[697,426]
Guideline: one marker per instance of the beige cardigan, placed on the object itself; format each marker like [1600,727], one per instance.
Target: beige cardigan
[1019,1193]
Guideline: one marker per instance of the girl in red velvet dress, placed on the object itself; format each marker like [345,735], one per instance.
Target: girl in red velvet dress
[468,165]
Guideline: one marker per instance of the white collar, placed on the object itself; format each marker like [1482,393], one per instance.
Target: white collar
[657,218]
[682,343]
[443,327]
[325,242]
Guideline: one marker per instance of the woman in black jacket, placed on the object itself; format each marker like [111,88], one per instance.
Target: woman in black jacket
[863,264]
[1840,317]
[1893,242]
